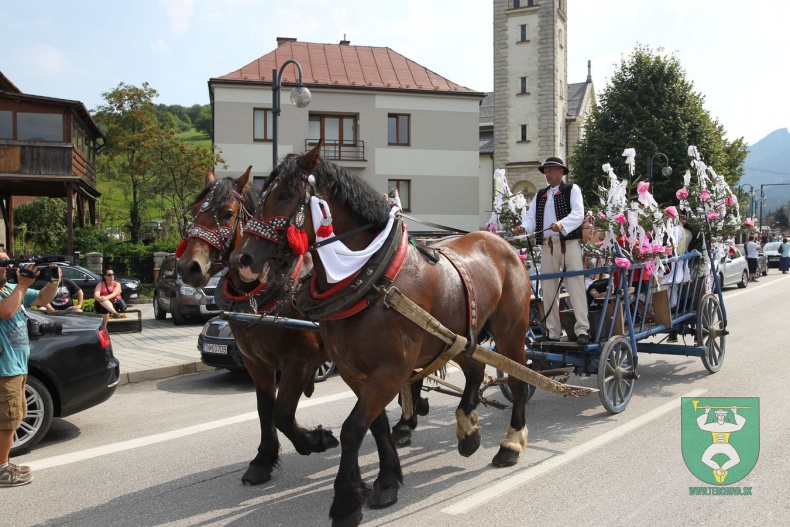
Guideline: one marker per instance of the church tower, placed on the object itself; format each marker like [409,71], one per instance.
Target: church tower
[530,88]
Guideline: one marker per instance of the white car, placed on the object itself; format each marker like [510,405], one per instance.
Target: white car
[733,268]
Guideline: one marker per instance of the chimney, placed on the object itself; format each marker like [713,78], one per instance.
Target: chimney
[284,40]
[345,42]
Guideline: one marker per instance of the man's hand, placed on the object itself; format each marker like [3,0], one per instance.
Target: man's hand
[519,230]
[707,410]
[734,410]
[23,281]
[556,226]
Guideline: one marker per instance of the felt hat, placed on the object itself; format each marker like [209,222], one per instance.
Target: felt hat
[553,162]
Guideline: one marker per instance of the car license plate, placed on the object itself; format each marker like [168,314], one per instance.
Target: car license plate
[215,348]
[133,295]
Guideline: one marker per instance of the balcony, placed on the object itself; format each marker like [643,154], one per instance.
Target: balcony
[339,150]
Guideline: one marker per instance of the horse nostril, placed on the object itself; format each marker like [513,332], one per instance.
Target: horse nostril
[244,259]
[194,268]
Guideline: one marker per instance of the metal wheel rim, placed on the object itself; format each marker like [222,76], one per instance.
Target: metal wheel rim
[35,417]
[615,375]
[709,323]
[324,370]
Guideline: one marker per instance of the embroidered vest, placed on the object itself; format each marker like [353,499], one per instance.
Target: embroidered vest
[562,207]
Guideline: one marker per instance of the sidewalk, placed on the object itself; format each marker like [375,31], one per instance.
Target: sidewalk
[161,350]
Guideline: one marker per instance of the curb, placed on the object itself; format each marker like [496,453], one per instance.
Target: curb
[164,372]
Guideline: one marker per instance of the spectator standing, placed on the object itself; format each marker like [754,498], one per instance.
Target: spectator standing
[784,256]
[752,254]
[67,298]
[14,354]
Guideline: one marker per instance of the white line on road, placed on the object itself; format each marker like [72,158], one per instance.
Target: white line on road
[528,474]
[90,453]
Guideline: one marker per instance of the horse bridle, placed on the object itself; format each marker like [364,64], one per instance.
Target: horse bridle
[220,237]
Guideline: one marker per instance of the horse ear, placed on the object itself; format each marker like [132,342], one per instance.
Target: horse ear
[241,183]
[310,159]
[210,177]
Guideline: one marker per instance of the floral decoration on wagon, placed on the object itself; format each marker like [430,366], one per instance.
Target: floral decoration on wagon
[709,203]
[507,214]
[633,230]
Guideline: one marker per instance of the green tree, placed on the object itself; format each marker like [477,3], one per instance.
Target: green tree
[203,120]
[129,121]
[45,225]
[650,106]
[182,170]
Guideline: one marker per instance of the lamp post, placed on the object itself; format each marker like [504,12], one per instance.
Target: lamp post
[751,201]
[300,97]
[666,171]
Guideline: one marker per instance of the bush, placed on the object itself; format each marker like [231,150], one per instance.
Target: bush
[87,305]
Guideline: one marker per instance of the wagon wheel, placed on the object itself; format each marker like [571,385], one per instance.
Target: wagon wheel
[505,389]
[710,332]
[616,374]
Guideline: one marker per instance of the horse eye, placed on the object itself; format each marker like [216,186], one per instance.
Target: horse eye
[284,196]
[228,215]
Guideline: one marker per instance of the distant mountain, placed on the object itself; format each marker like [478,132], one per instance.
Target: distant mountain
[768,162]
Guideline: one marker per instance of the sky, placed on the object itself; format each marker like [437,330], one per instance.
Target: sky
[734,51]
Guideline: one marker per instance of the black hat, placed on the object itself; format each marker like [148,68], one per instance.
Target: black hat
[553,162]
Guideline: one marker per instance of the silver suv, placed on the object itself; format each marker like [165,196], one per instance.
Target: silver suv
[182,301]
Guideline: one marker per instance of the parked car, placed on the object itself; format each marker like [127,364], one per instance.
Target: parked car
[69,371]
[762,260]
[218,348]
[773,250]
[87,280]
[151,231]
[733,268]
[182,301]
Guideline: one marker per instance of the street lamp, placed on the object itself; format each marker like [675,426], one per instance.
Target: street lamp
[300,97]
[763,199]
[751,201]
[666,171]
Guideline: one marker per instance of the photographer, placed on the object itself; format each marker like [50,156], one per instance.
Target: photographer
[14,354]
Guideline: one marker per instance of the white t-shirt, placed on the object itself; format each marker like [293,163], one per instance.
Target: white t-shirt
[752,250]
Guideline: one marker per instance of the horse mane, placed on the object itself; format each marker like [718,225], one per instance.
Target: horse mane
[333,181]
[222,189]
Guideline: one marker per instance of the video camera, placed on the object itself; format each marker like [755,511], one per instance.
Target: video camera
[48,274]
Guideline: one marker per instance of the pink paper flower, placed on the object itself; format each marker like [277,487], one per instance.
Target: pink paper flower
[713,215]
[601,215]
[620,218]
[730,201]
[749,222]
[682,193]
[642,187]
[731,251]
[650,267]
[671,211]
[623,263]
[704,195]
[659,249]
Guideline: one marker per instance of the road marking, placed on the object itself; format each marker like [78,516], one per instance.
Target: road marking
[91,453]
[518,479]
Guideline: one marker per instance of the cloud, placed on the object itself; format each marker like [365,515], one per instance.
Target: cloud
[46,60]
[180,13]
[160,45]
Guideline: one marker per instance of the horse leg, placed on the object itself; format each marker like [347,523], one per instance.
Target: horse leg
[261,467]
[466,414]
[293,381]
[390,479]
[401,431]
[516,439]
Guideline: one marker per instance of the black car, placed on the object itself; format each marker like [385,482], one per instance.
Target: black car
[87,280]
[182,301]
[71,368]
[218,348]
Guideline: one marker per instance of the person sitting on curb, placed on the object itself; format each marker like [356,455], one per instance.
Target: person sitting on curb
[67,298]
[108,296]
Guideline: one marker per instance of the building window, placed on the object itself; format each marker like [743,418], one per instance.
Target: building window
[339,133]
[39,127]
[404,192]
[524,136]
[523,33]
[523,85]
[398,129]
[6,125]
[262,124]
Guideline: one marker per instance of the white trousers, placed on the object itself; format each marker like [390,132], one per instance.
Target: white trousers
[554,262]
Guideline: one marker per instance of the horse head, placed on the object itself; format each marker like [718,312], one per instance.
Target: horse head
[219,211]
[306,202]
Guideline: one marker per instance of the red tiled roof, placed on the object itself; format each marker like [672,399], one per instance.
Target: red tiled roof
[345,65]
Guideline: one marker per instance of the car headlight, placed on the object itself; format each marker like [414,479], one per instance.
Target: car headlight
[187,291]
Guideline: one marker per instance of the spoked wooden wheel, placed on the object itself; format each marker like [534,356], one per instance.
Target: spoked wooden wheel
[616,374]
[710,332]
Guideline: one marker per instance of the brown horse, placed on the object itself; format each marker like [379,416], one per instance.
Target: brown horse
[220,211]
[375,348]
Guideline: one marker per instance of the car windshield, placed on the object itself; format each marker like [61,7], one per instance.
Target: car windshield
[772,246]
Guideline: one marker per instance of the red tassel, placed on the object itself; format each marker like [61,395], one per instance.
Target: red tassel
[297,240]
[324,231]
[182,246]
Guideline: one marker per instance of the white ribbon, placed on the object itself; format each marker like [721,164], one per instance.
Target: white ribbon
[630,155]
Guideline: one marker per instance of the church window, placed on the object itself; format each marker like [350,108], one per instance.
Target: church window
[523,85]
[523,33]
[524,136]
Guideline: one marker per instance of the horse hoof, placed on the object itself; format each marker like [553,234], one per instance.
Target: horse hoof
[505,458]
[327,441]
[382,498]
[352,520]
[469,445]
[401,437]
[256,474]
[423,407]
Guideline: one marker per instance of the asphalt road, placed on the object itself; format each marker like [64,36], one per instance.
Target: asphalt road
[172,452]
